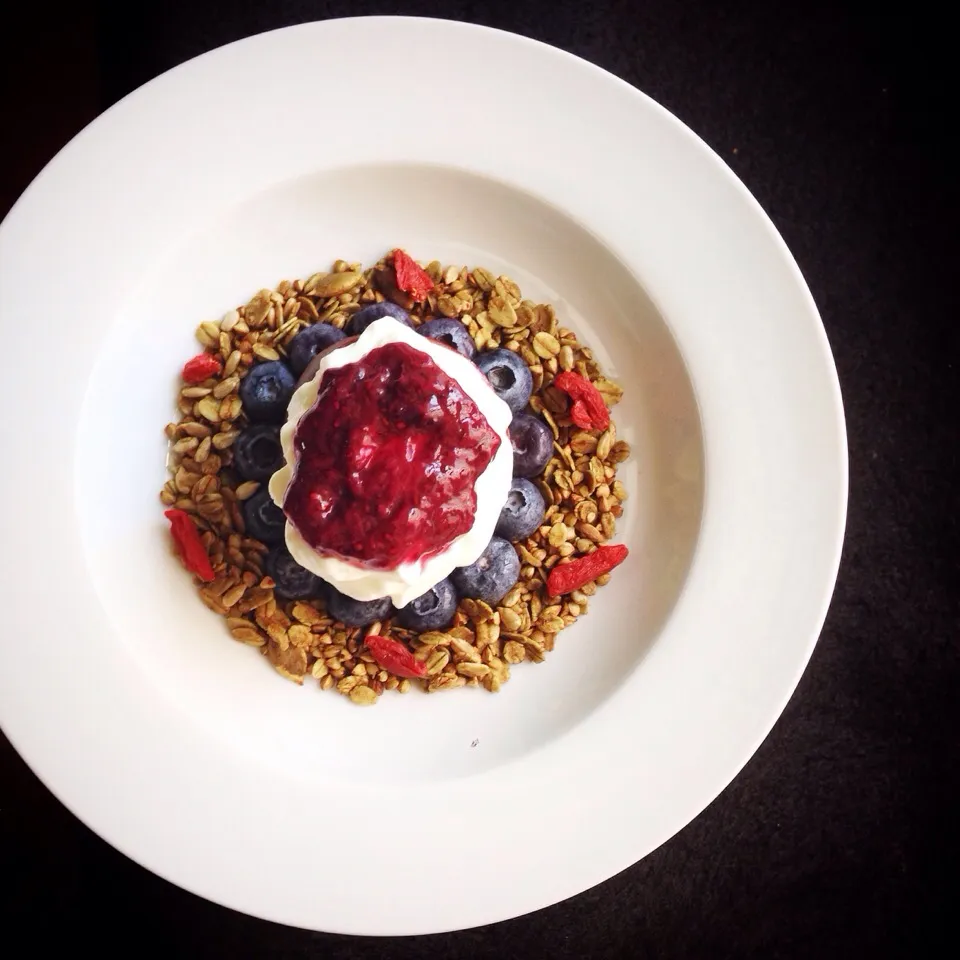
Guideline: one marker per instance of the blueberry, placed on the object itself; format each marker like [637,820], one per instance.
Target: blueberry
[309,342]
[450,332]
[292,582]
[509,376]
[266,391]
[264,519]
[532,444]
[492,575]
[357,613]
[431,610]
[364,317]
[523,511]
[257,453]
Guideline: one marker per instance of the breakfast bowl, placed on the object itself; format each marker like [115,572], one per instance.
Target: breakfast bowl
[184,749]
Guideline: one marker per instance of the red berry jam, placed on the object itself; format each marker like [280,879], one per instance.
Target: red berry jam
[386,460]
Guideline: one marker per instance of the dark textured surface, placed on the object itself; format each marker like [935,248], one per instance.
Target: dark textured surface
[837,840]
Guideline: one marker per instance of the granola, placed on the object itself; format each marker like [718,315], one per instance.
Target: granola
[300,639]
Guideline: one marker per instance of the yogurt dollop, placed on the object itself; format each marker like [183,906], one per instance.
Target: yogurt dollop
[407,580]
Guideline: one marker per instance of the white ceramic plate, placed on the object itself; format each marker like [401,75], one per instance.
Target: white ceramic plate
[268,159]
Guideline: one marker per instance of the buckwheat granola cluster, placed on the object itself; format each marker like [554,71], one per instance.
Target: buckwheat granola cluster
[580,487]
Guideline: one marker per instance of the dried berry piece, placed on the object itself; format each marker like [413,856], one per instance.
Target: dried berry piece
[588,410]
[411,278]
[571,576]
[395,657]
[201,367]
[189,545]
[580,416]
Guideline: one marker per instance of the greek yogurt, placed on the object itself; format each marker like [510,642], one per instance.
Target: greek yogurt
[407,580]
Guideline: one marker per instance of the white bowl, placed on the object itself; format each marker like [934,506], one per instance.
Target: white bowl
[264,160]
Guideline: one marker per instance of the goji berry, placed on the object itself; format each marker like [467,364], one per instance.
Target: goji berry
[392,655]
[578,414]
[201,367]
[411,278]
[189,545]
[573,575]
[588,410]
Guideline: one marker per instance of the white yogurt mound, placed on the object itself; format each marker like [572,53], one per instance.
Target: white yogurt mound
[409,580]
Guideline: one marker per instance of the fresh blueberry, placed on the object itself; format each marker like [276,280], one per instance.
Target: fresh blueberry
[532,444]
[523,511]
[509,376]
[264,519]
[492,575]
[309,342]
[292,582]
[431,610]
[266,391]
[257,453]
[357,613]
[365,316]
[451,332]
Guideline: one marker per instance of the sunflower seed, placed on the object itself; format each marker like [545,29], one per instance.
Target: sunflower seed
[265,352]
[363,696]
[209,409]
[226,387]
[545,345]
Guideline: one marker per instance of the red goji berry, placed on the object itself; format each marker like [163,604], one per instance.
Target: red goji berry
[411,278]
[588,410]
[392,655]
[578,414]
[189,545]
[201,367]
[573,575]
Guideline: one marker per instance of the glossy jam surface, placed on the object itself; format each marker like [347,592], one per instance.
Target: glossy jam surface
[386,460]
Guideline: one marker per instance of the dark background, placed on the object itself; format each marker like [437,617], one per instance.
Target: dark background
[839,837]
